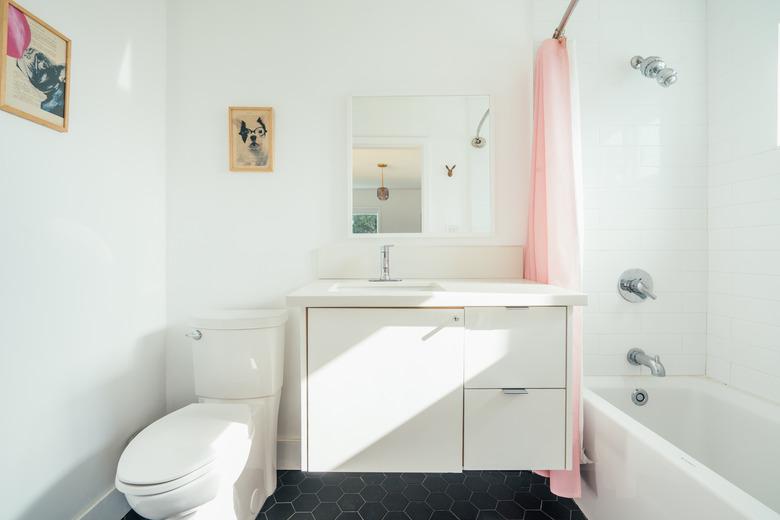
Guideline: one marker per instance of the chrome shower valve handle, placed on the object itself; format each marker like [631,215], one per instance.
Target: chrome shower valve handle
[636,286]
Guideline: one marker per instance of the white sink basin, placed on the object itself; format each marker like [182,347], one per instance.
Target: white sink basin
[363,286]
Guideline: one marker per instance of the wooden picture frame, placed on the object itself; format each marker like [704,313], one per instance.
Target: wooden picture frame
[34,68]
[251,139]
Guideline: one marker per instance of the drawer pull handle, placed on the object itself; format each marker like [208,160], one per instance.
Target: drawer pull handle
[514,391]
[517,308]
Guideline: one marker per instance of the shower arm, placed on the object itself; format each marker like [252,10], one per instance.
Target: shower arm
[561,29]
[482,122]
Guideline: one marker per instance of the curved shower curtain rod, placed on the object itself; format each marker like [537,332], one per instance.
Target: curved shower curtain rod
[559,31]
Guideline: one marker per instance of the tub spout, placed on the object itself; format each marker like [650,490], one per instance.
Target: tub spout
[637,356]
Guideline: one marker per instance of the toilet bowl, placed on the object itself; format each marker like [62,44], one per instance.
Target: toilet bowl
[214,460]
[185,460]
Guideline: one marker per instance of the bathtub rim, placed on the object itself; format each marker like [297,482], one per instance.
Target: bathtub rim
[755,403]
[730,493]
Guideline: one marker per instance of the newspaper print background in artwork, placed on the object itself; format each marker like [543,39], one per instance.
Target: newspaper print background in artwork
[34,72]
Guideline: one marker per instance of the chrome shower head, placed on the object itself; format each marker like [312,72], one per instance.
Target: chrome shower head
[655,67]
[479,142]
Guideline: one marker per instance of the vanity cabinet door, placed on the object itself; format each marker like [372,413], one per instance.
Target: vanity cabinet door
[515,347]
[385,390]
[505,430]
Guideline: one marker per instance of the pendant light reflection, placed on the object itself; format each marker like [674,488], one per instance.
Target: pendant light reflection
[382,193]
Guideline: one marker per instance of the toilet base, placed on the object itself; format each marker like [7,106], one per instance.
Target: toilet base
[219,508]
[227,505]
[257,481]
[250,484]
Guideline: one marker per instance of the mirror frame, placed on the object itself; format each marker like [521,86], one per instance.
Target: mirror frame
[417,140]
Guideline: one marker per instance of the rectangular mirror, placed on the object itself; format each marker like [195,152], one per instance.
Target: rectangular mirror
[421,165]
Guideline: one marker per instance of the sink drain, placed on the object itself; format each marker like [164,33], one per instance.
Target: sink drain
[639,396]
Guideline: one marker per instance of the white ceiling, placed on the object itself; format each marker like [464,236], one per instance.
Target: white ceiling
[404,167]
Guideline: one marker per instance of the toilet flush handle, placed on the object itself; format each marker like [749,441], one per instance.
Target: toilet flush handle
[195,334]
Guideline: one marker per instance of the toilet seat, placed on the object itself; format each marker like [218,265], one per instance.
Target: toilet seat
[184,446]
[141,490]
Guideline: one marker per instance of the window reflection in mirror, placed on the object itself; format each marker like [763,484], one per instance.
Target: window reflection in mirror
[421,164]
[365,220]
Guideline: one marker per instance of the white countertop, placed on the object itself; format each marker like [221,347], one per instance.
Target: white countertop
[449,293]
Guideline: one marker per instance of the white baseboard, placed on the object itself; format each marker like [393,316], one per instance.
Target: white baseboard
[112,506]
[288,453]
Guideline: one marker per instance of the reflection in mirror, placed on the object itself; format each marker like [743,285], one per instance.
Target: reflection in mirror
[421,164]
[385,210]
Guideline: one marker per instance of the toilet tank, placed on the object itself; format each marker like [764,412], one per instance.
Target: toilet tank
[238,354]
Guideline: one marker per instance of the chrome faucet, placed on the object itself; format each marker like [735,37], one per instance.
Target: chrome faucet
[637,356]
[384,265]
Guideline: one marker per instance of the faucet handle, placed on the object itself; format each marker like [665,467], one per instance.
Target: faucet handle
[641,288]
[636,285]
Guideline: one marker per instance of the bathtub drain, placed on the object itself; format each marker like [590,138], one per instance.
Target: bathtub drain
[639,396]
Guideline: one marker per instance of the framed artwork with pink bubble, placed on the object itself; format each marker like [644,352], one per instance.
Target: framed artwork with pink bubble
[35,68]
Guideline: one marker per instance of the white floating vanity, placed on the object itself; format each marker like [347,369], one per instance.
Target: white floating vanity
[435,376]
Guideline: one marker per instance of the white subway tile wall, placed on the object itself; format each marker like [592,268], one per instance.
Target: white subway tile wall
[743,346]
[645,177]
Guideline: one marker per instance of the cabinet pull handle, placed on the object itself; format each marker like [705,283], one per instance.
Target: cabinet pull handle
[517,308]
[514,391]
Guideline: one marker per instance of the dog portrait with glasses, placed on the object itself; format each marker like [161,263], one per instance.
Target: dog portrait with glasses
[251,139]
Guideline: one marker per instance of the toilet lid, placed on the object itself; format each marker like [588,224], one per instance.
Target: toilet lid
[184,441]
[236,319]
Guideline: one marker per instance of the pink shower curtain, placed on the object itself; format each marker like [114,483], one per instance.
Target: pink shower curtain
[553,254]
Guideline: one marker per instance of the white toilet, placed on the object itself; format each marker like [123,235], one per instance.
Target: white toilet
[215,460]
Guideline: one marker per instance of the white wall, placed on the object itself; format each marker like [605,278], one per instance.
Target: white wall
[249,239]
[744,197]
[644,158]
[82,269]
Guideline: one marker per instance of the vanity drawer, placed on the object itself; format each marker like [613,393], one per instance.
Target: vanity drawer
[504,431]
[515,347]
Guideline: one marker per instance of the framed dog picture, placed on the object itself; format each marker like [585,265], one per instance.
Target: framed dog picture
[251,139]
[35,68]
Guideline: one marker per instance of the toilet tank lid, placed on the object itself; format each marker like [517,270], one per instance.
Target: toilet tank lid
[184,441]
[236,319]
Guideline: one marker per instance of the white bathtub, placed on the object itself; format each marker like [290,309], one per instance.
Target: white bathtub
[697,450]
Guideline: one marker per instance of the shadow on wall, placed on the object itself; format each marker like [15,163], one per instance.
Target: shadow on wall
[109,410]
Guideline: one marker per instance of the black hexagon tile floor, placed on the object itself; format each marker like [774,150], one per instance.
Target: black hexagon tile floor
[473,495]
